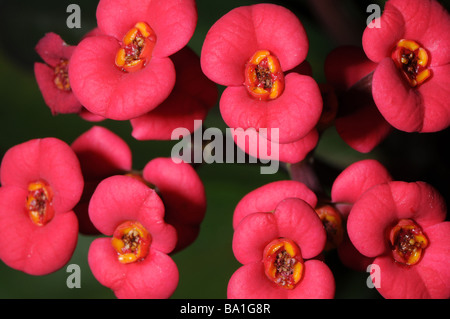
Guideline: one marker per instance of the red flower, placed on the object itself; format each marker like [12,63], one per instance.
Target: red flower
[347,188]
[134,262]
[276,250]
[191,99]
[41,183]
[127,72]
[52,76]
[402,225]
[103,154]
[411,83]
[250,50]
[358,122]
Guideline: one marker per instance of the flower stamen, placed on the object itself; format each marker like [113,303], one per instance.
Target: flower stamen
[408,242]
[412,60]
[264,78]
[332,222]
[131,242]
[283,263]
[61,78]
[137,48]
[39,204]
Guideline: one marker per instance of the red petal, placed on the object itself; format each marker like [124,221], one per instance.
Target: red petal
[51,48]
[267,197]
[356,179]
[252,235]
[260,147]
[102,153]
[173,21]
[401,105]
[250,282]
[346,65]
[299,222]
[317,282]
[436,94]
[156,277]
[183,194]
[295,113]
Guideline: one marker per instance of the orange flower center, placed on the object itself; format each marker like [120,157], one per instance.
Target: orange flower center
[39,204]
[283,263]
[61,78]
[137,47]
[264,78]
[332,222]
[131,242]
[412,60]
[408,242]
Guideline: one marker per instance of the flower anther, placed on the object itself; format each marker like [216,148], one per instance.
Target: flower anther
[137,47]
[39,203]
[412,60]
[408,242]
[283,263]
[264,77]
[131,241]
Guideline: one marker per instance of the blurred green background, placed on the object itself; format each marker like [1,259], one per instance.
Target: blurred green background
[206,266]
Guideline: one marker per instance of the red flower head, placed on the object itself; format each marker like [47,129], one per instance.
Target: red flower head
[358,121]
[411,83]
[41,183]
[127,72]
[133,262]
[191,99]
[402,225]
[52,76]
[250,50]
[103,154]
[274,248]
[346,190]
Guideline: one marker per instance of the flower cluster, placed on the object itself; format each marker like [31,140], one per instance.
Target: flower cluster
[136,66]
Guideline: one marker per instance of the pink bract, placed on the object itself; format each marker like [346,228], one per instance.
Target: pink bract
[347,188]
[358,122]
[267,197]
[53,50]
[39,250]
[122,198]
[106,90]
[191,99]
[102,154]
[232,41]
[293,219]
[382,207]
[183,194]
[423,108]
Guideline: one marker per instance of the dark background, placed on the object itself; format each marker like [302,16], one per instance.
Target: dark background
[206,266]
